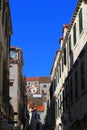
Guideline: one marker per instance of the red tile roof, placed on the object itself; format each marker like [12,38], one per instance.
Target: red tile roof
[39,107]
[33,79]
[44,79]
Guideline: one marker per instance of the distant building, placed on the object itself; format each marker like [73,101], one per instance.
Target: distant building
[17,85]
[39,85]
[37,90]
[50,120]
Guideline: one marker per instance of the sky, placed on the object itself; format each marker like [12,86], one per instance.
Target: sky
[37,26]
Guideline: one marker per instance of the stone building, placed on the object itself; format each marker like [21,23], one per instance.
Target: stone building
[50,120]
[17,86]
[37,90]
[5,34]
[70,91]
[75,86]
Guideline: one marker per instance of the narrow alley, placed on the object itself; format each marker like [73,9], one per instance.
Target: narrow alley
[54,102]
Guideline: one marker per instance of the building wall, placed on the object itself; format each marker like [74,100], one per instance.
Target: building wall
[16,85]
[77,106]
[70,92]
[30,83]
[1,73]
[14,88]
[45,87]
[5,33]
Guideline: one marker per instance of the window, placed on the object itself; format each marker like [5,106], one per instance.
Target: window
[28,83]
[42,92]
[63,101]
[62,64]
[13,54]
[0,5]
[0,51]
[76,84]
[82,76]
[60,70]
[64,56]
[70,44]
[45,86]
[58,107]
[33,91]
[38,126]
[60,103]
[66,95]
[58,76]
[15,113]
[35,82]
[71,91]
[45,93]
[11,83]
[74,34]
[6,24]
[80,21]
[3,12]
[54,84]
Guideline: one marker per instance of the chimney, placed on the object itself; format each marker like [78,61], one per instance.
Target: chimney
[65,28]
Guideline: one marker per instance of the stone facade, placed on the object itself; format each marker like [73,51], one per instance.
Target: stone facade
[17,85]
[69,74]
[5,34]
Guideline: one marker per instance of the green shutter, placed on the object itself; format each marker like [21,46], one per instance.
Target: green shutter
[54,85]
[70,44]
[58,76]
[74,34]
[62,64]
[60,70]
[64,56]
[0,4]
[80,21]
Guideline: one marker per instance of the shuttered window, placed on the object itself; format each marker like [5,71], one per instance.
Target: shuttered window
[0,5]
[74,34]
[70,49]
[60,70]
[3,12]
[62,64]
[76,83]
[82,75]
[64,56]
[58,76]
[80,21]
